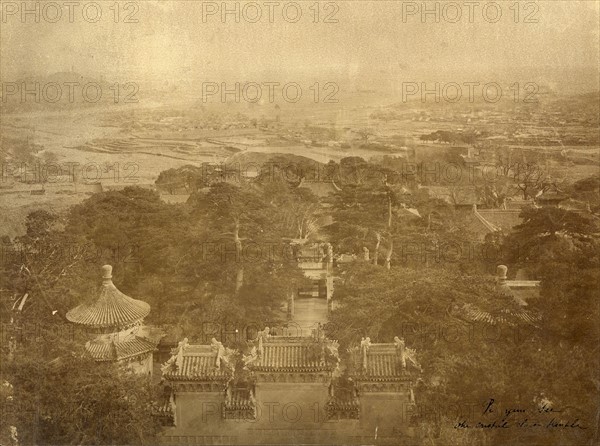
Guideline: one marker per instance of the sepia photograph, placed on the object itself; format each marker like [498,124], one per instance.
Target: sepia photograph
[309,222]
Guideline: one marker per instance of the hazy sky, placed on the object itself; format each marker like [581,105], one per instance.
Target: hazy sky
[171,41]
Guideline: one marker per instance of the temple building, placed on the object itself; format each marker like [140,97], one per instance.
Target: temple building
[289,390]
[115,320]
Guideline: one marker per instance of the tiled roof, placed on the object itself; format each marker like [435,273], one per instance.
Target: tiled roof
[117,350]
[239,399]
[198,363]
[291,356]
[502,316]
[112,309]
[384,362]
[201,366]
[287,354]
[383,365]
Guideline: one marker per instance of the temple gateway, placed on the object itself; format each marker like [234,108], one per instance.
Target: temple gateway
[297,391]
[293,387]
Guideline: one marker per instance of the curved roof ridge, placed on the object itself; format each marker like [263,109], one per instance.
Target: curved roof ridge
[112,308]
[115,350]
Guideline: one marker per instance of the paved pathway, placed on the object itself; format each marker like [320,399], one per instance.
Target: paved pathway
[309,312]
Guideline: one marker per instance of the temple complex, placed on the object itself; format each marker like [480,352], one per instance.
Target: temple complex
[292,387]
[297,390]
[115,321]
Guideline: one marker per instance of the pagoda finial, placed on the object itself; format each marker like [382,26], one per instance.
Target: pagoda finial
[107,273]
[501,271]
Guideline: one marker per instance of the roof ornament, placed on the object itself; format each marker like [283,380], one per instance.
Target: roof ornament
[501,283]
[177,357]
[180,350]
[218,347]
[411,355]
[400,345]
[262,335]
[332,351]
[365,343]
[501,271]
[107,273]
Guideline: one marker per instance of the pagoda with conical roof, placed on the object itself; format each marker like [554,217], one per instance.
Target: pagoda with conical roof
[116,320]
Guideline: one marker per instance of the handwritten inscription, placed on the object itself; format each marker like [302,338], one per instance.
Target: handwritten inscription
[543,416]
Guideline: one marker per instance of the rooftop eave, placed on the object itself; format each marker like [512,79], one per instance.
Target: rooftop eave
[199,378]
[406,376]
[328,369]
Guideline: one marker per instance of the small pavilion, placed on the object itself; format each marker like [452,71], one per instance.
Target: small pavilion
[116,320]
